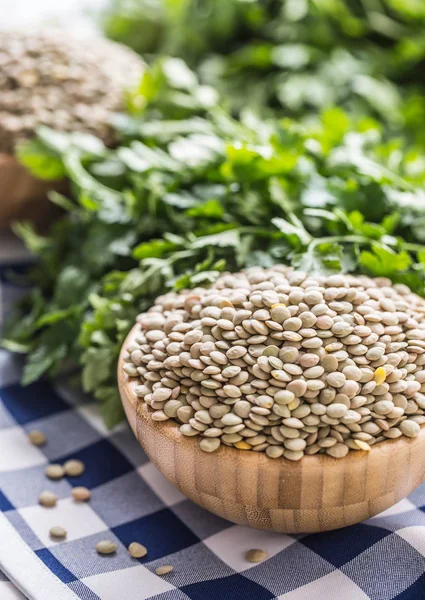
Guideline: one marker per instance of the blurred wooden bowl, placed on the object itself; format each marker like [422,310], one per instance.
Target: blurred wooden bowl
[24,197]
[318,493]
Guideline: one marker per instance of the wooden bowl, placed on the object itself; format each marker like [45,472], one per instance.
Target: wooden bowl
[22,196]
[318,493]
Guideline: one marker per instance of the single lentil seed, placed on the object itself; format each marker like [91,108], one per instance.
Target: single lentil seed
[48,499]
[409,428]
[209,444]
[137,550]
[74,468]
[164,570]
[55,471]
[57,532]
[106,547]
[255,555]
[81,494]
[37,438]
[379,376]
[362,445]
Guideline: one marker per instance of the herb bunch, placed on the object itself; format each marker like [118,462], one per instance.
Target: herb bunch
[291,57]
[191,192]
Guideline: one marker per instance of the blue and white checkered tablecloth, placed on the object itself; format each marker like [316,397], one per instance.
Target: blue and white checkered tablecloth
[382,558]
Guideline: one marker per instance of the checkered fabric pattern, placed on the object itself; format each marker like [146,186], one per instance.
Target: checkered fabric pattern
[380,559]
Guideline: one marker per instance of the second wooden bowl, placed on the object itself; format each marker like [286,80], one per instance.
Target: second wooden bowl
[318,493]
[22,196]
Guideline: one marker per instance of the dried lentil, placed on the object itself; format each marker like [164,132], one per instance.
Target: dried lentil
[48,499]
[289,374]
[106,547]
[74,468]
[55,471]
[57,532]
[255,555]
[37,438]
[164,570]
[81,494]
[51,78]
[137,550]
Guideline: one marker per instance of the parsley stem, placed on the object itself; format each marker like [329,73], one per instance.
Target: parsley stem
[413,247]
[343,239]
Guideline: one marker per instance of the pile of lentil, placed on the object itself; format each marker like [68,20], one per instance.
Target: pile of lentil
[52,78]
[277,361]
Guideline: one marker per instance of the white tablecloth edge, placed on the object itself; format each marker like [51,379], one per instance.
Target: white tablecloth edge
[26,571]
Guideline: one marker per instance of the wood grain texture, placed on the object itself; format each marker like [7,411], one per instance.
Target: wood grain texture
[22,196]
[318,493]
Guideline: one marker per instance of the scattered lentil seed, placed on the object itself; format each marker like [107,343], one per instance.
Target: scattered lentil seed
[57,532]
[137,550]
[47,499]
[292,366]
[255,555]
[106,547]
[55,471]
[74,468]
[37,438]
[81,494]
[164,569]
